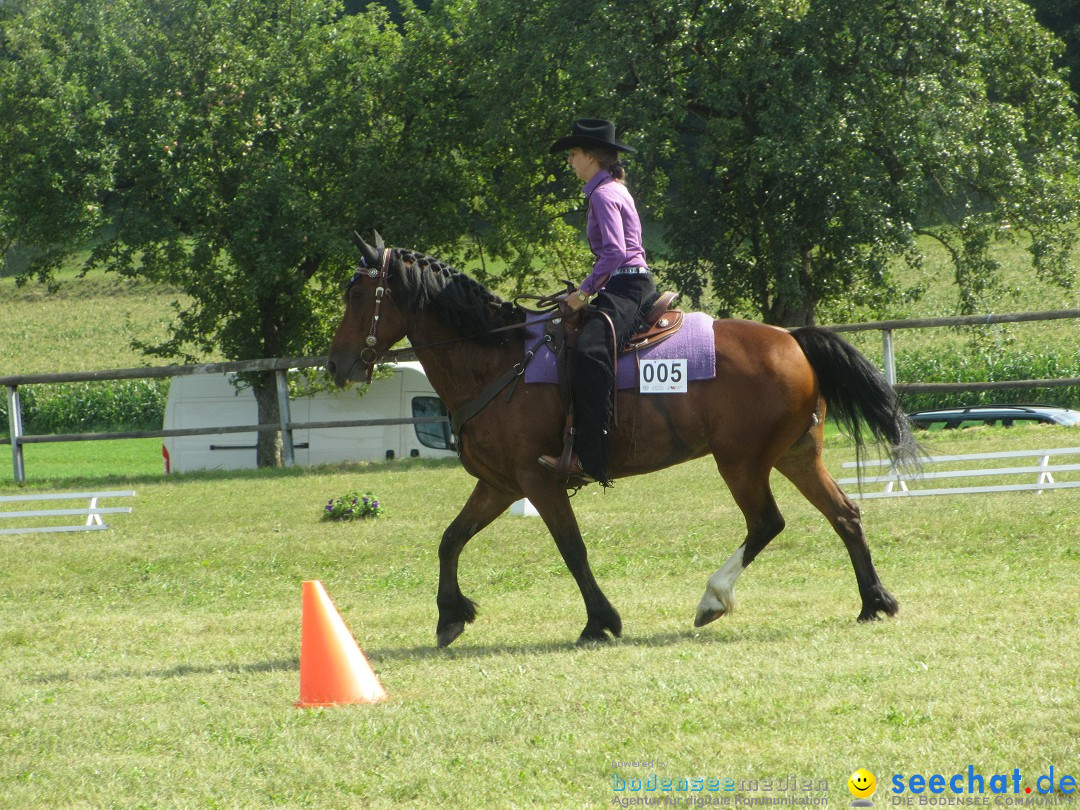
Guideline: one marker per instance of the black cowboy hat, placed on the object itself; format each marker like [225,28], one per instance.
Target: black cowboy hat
[591,132]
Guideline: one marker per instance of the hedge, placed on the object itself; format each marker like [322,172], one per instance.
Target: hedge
[950,367]
[112,405]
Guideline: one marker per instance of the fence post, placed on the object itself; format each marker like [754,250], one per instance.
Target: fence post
[890,356]
[1044,477]
[16,427]
[286,419]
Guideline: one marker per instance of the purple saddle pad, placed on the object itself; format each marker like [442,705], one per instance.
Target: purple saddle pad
[693,343]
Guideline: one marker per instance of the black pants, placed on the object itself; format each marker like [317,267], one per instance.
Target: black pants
[626,300]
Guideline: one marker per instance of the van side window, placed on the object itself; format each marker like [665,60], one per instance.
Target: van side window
[431,434]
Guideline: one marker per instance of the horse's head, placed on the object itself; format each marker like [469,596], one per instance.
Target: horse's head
[372,322]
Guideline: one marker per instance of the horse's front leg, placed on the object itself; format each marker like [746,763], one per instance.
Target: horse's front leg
[484,505]
[553,504]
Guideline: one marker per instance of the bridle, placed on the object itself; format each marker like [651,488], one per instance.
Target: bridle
[381,275]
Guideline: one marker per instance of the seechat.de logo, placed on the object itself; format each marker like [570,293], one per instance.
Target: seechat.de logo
[1002,786]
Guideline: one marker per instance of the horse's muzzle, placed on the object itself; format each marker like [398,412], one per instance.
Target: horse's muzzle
[344,371]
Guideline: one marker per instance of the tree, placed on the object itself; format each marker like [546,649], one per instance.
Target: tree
[830,134]
[791,150]
[797,148]
[1060,17]
[226,148]
[496,100]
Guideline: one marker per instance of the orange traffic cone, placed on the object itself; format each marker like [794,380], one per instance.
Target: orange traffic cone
[333,669]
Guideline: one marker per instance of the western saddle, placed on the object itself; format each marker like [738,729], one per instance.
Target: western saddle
[660,323]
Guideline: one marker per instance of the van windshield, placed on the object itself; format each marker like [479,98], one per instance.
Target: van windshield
[431,434]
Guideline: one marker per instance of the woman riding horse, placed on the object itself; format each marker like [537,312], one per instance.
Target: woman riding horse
[763,409]
[620,281]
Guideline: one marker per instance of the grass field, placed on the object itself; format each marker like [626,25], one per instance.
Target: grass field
[87,324]
[66,465]
[155,664]
[1018,290]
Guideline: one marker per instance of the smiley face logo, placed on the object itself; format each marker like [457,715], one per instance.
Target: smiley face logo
[862,784]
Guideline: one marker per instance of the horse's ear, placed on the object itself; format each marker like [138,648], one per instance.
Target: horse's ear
[378,241]
[370,254]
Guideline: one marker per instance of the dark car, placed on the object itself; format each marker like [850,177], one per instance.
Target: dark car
[1005,415]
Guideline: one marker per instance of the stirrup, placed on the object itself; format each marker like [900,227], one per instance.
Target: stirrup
[576,476]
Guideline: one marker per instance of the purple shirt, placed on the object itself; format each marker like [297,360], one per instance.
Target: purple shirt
[613,230]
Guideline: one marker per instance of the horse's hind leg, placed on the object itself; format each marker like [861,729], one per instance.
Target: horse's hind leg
[750,488]
[484,505]
[802,466]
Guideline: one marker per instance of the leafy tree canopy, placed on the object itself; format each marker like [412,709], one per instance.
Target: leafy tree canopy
[789,150]
[1060,17]
[226,148]
[793,149]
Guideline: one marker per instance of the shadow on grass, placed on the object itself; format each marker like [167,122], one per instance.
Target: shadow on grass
[423,653]
[668,639]
[178,671]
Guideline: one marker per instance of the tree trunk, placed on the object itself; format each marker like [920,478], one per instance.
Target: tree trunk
[793,304]
[786,312]
[269,449]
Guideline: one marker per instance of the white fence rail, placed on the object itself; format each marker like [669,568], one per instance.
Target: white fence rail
[93,512]
[901,483]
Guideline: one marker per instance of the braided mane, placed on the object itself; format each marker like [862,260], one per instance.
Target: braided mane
[422,282]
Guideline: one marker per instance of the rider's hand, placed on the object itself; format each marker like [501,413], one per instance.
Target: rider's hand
[577,300]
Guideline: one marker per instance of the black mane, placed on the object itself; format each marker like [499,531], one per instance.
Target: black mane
[420,282]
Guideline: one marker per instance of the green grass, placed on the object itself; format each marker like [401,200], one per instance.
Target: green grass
[155,664]
[66,465]
[1018,290]
[88,324]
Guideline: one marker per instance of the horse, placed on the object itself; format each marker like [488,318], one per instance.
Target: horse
[764,409]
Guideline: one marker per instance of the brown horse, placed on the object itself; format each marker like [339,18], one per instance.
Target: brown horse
[764,409]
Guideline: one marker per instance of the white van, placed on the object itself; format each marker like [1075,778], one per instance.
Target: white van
[211,400]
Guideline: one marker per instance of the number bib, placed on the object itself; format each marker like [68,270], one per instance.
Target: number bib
[662,377]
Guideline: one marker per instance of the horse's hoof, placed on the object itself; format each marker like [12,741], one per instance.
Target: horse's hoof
[881,602]
[593,640]
[449,634]
[705,616]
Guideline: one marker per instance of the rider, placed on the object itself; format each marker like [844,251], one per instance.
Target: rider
[620,281]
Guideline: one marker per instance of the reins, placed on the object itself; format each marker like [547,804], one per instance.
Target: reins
[390,354]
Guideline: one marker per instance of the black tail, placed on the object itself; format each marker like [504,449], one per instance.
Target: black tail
[857,394]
